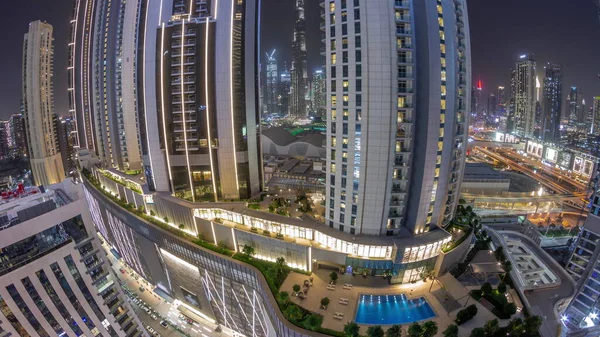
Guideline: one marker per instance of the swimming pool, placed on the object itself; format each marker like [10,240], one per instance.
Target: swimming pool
[392,309]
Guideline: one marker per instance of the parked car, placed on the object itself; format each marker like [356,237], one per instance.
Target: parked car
[163,323]
[154,317]
[150,330]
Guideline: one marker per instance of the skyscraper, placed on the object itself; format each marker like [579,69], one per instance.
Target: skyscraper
[595,128]
[19,137]
[575,106]
[523,97]
[581,313]
[501,100]
[79,71]
[207,100]
[551,103]
[299,85]
[285,86]
[492,104]
[319,92]
[393,170]
[113,76]
[5,140]
[56,279]
[272,85]
[38,51]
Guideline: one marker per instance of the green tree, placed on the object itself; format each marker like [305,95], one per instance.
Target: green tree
[293,313]
[509,309]
[166,219]
[502,288]
[486,288]
[491,327]
[248,250]
[333,276]
[375,331]
[325,302]
[477,332]
[533,323]
[394,331]
[451,331]
[296,288]
[181,226]
[284,296]
[280,261]
[430,329]
[515,327]
[351,329]
[415,330]
[313,321]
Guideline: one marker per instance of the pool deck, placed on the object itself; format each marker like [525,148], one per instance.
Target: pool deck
[375,286]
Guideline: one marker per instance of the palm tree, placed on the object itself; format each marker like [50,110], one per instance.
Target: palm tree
[394,331]
[351,329]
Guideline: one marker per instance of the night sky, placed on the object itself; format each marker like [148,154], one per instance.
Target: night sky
[554,30]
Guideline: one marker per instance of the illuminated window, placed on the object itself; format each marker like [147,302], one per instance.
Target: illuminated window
[332,19]
[345,85]
[441,132]
[442,48]
[332,45]
[333,58]
[345,97]
[238,16]
[443,90]
[345,142]
[398,146]
[443,77]
[439,9]
[345,43]
[332,168]
[346,113]
[437,173]
[333,114]
[443,104]
[333,100]
[203,142]
[441,22]
[333,141]
[442,119]
[442,35]
[443,62]
[401,102]
[332,6]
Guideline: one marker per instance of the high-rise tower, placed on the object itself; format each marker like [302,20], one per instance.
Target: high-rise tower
[319,92]
[38,103]
[207,99]
[79,72]
[285,85]
[551,103]
[113,77]
[272,85]
[391,170]
[299,89]
[523,97]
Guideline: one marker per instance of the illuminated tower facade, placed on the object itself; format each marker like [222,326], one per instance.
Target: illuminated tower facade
[396,113]
[523,97]
[38,104]
[299,85]
[207,99]
[551,102]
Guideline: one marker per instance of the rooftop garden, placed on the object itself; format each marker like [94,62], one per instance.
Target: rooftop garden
[274,272]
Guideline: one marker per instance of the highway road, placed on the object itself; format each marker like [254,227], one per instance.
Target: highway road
[578,195]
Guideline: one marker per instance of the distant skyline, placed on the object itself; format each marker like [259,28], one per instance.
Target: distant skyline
[556,31]
[14,22]
[500,32]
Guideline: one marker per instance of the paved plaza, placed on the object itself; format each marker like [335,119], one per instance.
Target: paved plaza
[374,285]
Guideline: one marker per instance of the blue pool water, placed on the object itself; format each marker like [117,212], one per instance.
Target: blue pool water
[392,309]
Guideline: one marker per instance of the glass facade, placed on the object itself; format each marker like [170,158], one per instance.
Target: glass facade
[71,295]
[12,319]
[58,303]
[22,252]
[42,306]
[14,293]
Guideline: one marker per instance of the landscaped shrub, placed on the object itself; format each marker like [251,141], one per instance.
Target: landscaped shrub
[466,314]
